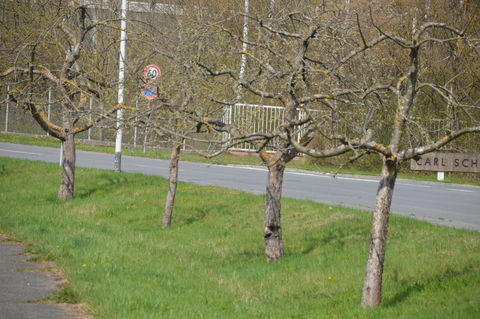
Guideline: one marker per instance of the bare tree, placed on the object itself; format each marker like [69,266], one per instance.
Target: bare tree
[180,122]
[289,64]
[174,103]
[407,88]
[50,51]
[399,112]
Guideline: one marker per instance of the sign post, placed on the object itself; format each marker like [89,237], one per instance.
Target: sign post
[117,164]
[440,176]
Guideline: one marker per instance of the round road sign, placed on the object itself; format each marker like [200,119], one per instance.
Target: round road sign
[149,91]
[151,73]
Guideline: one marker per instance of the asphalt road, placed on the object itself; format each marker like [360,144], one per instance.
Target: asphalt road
[445,204]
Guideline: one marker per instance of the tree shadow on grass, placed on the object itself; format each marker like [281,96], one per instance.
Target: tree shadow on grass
[419,286]
[195,215]
[335,237]
[249,254]
[198,213]
[104,183]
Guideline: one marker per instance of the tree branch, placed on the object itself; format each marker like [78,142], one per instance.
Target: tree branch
[46,74]
[417,151]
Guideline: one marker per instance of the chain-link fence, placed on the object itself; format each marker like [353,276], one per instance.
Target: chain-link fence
[250,118]
[15,119]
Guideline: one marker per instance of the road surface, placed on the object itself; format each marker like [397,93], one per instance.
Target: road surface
[445,204]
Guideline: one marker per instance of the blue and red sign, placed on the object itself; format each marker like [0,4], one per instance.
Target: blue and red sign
[150,91]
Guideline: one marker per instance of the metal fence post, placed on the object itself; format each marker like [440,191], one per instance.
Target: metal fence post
[61,154]
[49,106]
[135,132]
[90,119]
[135,127]
[7,109]
[145,136]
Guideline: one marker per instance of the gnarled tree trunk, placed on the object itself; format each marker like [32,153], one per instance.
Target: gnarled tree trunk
[372,289]
[273,230]
[68,173]
[172,186]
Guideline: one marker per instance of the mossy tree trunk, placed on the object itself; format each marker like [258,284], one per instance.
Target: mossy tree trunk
[372,290]
[172,186]
[67,182]
[273,230]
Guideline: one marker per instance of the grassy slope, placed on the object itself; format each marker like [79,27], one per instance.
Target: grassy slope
[109,243]
[226,159]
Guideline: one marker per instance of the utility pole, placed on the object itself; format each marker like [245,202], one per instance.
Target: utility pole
[243,61]
[121,87]
[227,110]
[272,9]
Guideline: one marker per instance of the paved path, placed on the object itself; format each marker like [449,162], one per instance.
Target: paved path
[446,204]
[21,284]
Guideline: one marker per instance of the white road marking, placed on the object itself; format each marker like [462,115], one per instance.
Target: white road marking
[149,166]
[460,190]
[413,185]
[308,174]
[335,177]
[4,150]
[357,179]
[320,175]
[246,167]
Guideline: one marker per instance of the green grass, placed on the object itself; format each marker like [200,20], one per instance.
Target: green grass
[117,258]
[229,159]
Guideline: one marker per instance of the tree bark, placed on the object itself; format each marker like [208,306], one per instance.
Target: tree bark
[67,182]
[273,231]
[372,289]
[172,186]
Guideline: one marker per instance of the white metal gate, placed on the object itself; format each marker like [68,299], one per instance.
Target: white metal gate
[254,118]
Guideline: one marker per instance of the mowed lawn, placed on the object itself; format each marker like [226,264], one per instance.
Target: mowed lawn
[118,260]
